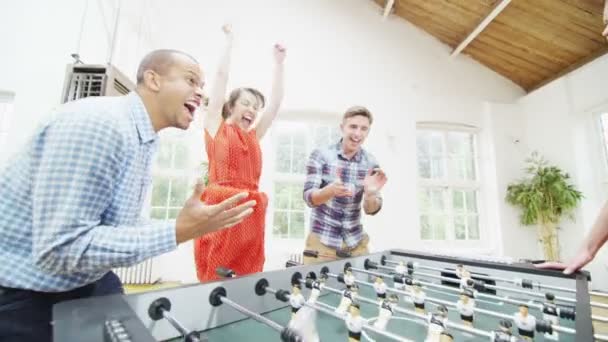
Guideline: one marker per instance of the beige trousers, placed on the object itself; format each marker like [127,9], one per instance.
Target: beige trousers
[313,243]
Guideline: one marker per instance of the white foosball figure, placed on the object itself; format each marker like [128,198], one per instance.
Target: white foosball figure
[316,287]
[400,268]
[304,323]
[354,323]
[466,307]
[349,278]
[525,322]
[380,288]
[418,297]
[465,280]
[296,300]
[503,333]
[551,314]
[446,337]
[386,311]
[436,324]
[459,270]
[348,295]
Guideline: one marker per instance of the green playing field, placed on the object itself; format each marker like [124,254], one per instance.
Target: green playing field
[334,329]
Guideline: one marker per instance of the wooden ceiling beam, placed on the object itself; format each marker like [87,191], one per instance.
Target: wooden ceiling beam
[498,7]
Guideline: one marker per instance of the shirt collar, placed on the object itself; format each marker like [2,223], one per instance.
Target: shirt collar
[140,115]
[357,157]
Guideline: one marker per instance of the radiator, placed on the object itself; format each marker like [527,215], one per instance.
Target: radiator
[139,274]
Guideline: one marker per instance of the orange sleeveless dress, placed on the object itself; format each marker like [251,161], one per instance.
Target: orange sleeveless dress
[235,165]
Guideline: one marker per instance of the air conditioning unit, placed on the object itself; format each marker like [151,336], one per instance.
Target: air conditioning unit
[84,80]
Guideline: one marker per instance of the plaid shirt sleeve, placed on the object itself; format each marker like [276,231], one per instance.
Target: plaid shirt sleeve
[314,176]
[74,183]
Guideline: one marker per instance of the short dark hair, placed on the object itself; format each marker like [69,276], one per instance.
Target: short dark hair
[235,94]
[159,61]
[358,110]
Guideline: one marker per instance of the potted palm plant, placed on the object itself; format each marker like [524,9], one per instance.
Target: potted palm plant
[544,197]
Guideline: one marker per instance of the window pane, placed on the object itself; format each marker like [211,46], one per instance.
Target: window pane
[471,197]
[321,136]
[437,200]
[426,233]
[460,230]
[163,159]
[299,157]
[436,168]
[423,144]
[173,213]
[296,230]
[280,224]
[438,223]
[283,154]
[179,192]
[281,196]
[473,221]
[180,160]
[424,167]
[297,199]
[424,200]
[458,200]
[158,213]
[460,144]
[436,144]
[160,190]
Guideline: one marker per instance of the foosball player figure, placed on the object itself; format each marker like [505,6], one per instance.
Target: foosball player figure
[446,337]
[380,288]
[503,333]
[400,268]
[315,289]
[348,296]
[460,270]
[466,307]
[296,299]
[418,297]
[525,322]
[386,311]
[354,323]
[349,278]
[551,314]
[436,323]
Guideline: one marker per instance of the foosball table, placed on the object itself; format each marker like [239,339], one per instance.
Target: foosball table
[388,296]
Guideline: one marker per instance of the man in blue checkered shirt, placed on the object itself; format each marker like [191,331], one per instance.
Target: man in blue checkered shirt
[340,179]
[71,200]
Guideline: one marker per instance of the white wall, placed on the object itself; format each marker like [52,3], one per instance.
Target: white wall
[560,121]
[340,53]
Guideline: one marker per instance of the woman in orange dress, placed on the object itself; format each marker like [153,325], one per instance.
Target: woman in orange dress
[232,136]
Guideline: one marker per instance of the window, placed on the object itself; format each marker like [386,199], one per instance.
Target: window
[6,111]
[172,175]
[448,183]
[293,143]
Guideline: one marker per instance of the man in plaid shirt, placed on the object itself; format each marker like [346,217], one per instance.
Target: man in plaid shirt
[71,200]
[340,179]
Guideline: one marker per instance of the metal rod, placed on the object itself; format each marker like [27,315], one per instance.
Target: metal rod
[599,294]
[599,337]
[599,305]
[599,318]
[415,314]
[494,278]
[439,301]
[332,313]
[274,325]
[177,325]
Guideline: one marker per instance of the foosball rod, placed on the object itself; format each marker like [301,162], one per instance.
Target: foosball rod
[414,314]
[599,294]
[218,297]
[493,287]
[438,301]
[160,309]
[516,291]
[262,287]
[484,277]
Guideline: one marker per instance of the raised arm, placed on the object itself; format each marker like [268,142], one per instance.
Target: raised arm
[213,117]
[276,94]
